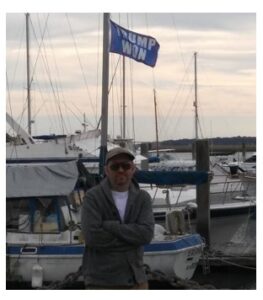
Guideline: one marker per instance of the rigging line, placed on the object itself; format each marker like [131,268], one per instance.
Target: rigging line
[45,63]
[158,116]
[54,88]
[11,113]
[131,84]
[178,40]
[200,128]
[21,115]
[208,84]
[175,98]
[40,46]
[114,74]
[90,124]
[200,108]
[119,99]
[8,95]
[14,75]
[117,102]
[66,109]
[132,100]
[42,104]
[127,98]
[120,90]
[112,95]
[97,71]
[182,109]
[181,87]
[18,56]
[153,73]
[112,106]
[81,66]
[110,86]
[58,85]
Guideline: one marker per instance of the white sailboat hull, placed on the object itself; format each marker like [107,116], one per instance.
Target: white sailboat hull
[178,256]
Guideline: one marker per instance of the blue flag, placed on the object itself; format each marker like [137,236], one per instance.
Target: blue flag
[140,47]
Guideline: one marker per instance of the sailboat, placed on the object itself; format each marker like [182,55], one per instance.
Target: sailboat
[44,242]
[26,149]
[232,205]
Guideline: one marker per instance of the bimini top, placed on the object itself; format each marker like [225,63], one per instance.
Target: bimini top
[41,180]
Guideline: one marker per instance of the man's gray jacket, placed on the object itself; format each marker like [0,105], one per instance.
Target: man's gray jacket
[114,249]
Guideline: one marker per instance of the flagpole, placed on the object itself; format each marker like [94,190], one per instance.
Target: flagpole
[123,100]
[105,83]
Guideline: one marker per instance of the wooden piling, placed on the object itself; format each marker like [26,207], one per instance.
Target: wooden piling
[202,191]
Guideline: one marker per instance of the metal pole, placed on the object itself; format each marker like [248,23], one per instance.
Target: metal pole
[123,99]
[105,83]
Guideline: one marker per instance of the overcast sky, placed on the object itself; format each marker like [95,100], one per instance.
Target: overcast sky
[66,63]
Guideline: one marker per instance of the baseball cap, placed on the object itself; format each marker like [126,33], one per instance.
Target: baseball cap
[117,151]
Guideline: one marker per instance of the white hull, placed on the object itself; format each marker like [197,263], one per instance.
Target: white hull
[173,257]
[182,265]
[44,241]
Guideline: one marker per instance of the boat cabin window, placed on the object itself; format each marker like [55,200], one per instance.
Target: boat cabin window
[34,215]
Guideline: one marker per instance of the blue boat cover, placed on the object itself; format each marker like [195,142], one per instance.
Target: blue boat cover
[171,177]
[153,159]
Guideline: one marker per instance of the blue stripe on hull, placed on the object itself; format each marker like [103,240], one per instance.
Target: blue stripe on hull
[180,244]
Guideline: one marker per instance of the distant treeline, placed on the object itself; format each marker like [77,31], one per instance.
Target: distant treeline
[237,140]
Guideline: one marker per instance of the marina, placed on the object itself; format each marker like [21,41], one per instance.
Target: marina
[232,239]
[204,204]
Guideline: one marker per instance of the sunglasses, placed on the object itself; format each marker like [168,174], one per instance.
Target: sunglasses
[124,165]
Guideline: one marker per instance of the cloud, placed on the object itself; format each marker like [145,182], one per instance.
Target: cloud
[67,66]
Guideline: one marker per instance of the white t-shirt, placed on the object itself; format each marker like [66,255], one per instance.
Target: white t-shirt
[120,199]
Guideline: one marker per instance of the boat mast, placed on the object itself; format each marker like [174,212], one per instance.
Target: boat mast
[156,123]
[28,75]
[105,83]
[195,102]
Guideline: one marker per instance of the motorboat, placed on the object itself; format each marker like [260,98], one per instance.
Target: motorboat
[44,241]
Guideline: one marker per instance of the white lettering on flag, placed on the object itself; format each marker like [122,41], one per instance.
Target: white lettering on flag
[140,47]
[151,43]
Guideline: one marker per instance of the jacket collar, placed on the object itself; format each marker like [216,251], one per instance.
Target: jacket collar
[134,190]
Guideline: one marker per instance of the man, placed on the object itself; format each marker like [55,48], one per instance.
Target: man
[117,220]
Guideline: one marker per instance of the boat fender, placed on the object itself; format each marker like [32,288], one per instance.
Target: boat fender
[175,222]
[37,276]
[159,231]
